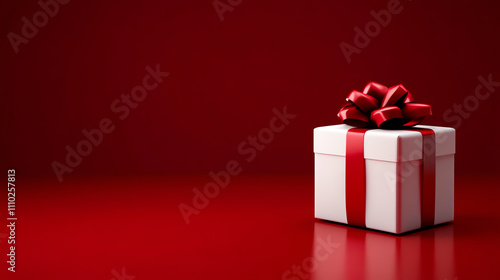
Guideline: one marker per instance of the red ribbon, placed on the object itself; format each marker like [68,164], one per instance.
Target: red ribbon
[356,177]
[379,106]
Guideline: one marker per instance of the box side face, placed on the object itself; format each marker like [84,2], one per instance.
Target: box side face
[329,188]
[445,182]
[445,139]
[381,195]
[409,177]
[406,145]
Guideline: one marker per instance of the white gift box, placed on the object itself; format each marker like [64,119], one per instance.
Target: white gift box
[393,160]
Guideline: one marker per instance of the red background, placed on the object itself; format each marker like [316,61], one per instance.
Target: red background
[225,78]
[117,210]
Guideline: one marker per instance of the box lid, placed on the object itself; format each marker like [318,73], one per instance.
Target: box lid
[382,144]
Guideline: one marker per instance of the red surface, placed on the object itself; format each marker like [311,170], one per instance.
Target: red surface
[256,228]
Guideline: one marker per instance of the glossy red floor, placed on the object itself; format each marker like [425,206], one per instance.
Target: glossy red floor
[259,227]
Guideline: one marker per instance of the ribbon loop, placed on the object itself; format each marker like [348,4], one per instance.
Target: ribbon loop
[387,117]
[353,116]
[363,101]
[381,107]
[414,113]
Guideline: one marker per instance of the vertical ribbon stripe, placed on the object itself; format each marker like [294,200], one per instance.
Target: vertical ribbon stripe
[355,179]
[427,177]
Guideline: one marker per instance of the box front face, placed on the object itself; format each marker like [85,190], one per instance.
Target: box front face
[381,195]
[381,192]
[329,188]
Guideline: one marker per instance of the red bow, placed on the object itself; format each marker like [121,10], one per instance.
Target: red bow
[379,106]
